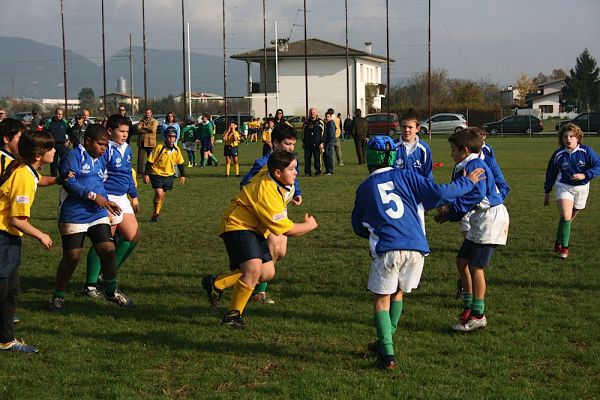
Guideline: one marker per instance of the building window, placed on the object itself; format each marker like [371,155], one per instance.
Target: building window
[547,109]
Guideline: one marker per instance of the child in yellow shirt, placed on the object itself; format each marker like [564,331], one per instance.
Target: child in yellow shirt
[231,140]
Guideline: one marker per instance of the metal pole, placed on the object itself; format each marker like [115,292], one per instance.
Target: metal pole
[387,45]
[104,62]
[347,63]
[265,57]
[145,63]
[429,69]
[62,21]
[131,74]
[224,67]
[276,67]
[184,98]
[189,69]
[305,65]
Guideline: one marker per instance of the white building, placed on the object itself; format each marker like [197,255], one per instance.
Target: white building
[326,64]
[548,99]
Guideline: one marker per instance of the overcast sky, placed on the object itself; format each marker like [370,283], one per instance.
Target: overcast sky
[476,39]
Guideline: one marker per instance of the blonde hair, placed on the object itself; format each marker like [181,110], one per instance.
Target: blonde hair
[573,128]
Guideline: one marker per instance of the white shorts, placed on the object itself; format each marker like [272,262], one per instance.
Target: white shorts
[489,226]
[465,224]
[396,269]
[67,228]
[125,205]
[577,194]
[191,146]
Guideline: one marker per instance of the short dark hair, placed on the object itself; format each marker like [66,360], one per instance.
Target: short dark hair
[470,138]
[9,127]
[282,132]
[280,160]
[116,120]
[95,132]
[410,115]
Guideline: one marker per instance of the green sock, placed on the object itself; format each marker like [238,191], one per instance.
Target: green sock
[395,312]
[59,293]
[559,231]
[203,161]
[383,324]
[215,160]
[478,306]
[110,285]
[93,267]
[468,300]
[261,287]
[123,251]
[566,233]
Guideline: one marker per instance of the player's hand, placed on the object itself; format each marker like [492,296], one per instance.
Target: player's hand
[310,221]
[45,240]
[181,180]
[577,177]
[135,204]
[476,175]
[146,179]
[113,208]
[296,201]
[546,199]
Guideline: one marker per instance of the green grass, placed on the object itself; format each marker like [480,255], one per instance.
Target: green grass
[542,340]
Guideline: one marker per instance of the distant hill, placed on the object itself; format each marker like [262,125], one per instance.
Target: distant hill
[33,69]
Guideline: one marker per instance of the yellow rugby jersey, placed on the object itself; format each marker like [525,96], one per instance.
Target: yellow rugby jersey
[232,140]
[5,159]
[16,197]
[164,160]
[260,207]
[266,135]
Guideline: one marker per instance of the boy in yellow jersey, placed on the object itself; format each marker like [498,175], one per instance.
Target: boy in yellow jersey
[160,170]
[256,211]
[231,140]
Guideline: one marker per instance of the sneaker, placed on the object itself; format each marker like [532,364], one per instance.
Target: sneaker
[214,295]
[233,319]
[155,218]
[328,173]
[119,298]
[261,297]
[471,324]
[91,291]
[56,305]
[386,362]
[190,164]
[19,346]
[16,319]
[557,247]
[564,253]
[341,163]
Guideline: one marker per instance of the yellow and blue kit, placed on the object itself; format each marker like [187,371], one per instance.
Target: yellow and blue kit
[163,159]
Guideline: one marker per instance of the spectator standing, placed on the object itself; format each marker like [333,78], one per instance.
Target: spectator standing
[77,131]
[348,122]
[329,142]
[146,129]
[58,127]
[338,135]
[360,133]
[36,119]
[312,142]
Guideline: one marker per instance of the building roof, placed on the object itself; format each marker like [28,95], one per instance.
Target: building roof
[551,82]
[314,48]
[126,95]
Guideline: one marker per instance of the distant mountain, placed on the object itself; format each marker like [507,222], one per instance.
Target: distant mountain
[33,69]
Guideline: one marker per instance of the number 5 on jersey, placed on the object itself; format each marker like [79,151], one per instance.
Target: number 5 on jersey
[396,210]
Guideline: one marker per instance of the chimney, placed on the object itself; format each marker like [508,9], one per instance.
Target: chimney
[368,47]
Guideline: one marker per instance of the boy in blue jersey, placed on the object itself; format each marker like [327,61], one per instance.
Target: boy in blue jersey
[84,211]
[283,139]
[386,211]
[488,226]
[121,190]
[412,153]
[571,167]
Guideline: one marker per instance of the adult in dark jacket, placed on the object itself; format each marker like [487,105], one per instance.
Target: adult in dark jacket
[312,142]
[77,131]
[360,133]
[58,127]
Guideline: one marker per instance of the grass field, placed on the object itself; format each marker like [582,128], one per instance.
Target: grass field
[542,340]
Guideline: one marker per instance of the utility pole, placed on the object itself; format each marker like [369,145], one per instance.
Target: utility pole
[305,65]
[387,45]
[429,69]
[347,64]
[144,50]
[265,57]
[224,67]
[62,22]
[104,63]
[131,75]
[184,98]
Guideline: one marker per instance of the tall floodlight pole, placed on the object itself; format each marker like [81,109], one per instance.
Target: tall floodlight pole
[429,68]
[224,68]
[265,56]
[62,21]
[104,62]
[305,65]
[189,69]
[144,45]
[387,45]
[276,67]
[347,63]
[183,46]
[131,74]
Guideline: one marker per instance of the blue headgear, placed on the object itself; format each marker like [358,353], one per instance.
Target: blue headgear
[381,151]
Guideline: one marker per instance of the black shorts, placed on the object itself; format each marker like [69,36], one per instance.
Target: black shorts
[97,233]
[10,253]
[206,144]
[161,182]
[478,255]
[245,245]
[229,151]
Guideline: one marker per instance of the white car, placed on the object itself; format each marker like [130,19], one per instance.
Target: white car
[445,122]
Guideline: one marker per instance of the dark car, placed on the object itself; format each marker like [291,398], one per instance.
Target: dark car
[515,124]
[24,117]
[378,124]
[220,125]
[588,122]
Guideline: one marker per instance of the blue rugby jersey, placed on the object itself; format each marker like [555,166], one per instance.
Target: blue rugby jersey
[501,184]
[417,159]
[487,150]
[119,180]
[485,195]
[259,164]
[387,204]
[74,205]
[563,164]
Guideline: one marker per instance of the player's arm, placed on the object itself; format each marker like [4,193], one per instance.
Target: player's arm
[299,229]
[22,224]
[433,195]
[358,215]
[593,165]
[428,165]
[501,184]
[551,174]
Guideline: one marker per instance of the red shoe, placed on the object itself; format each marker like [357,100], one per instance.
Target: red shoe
[564,253]
[557,247]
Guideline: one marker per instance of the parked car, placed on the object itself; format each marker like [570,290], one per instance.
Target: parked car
[24,117]
[221,126]
[588,122]
[515,124]
[160,118]
[378,124]
[444,122]
[297,121]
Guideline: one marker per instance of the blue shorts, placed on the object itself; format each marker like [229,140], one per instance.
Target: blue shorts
[229,151]
[161,182]
[206,144]
[10,253]
[478,255]
[245,245]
